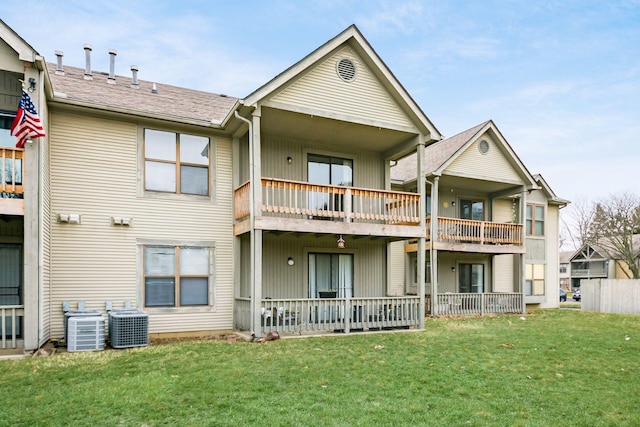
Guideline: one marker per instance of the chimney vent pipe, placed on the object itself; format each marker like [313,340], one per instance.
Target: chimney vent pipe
[87,71]
[134,77]
[59,69]
[112,67]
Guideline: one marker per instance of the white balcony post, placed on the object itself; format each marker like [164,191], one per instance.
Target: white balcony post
[347,205]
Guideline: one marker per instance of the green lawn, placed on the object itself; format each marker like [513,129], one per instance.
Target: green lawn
[556,367]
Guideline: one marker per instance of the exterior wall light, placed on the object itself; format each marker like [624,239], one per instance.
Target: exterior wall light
[290,261]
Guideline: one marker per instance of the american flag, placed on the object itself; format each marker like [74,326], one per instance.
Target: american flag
[27,124]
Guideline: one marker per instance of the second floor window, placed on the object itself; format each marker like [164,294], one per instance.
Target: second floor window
[535,220]
[176,162]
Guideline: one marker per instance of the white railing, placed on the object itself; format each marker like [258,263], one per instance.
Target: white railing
[304,199]
[242,314]
[339,314]
[465,304]
[12,312]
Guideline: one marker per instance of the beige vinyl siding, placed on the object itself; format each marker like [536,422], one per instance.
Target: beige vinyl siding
[368,167]
[493,166]
[552,236]
[95,174]
[503,267]
[283,281]
[363,99]
[502,210]
[397,275]
[10,61]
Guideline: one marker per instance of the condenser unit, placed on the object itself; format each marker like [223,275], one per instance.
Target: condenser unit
[77,313]
[85,333]
[128,328]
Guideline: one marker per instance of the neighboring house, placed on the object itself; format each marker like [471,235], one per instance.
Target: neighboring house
[274,212]
[492,227]
[598,261]
[564,270]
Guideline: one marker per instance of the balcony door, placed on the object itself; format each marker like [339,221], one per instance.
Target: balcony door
[328,170]
[11,283]
[472,209]
[330,275]
[471,278]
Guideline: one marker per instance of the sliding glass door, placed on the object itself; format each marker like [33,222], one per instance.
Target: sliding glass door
[330,275]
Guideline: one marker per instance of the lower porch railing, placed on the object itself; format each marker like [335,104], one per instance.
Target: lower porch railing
[10,320]
[478,304]
[332,314]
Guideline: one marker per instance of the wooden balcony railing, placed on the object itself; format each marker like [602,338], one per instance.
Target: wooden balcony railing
[482,232]
[11,171]
[331,314]
[320,201]
[465,304]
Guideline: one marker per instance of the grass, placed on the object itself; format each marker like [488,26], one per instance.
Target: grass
[557,367]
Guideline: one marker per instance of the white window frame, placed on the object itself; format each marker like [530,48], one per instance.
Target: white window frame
[212,170]
[211,305]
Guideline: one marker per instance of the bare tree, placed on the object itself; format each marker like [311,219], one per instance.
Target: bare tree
[612,225]
[580,223]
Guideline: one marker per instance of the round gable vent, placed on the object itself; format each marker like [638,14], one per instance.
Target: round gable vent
[346,70]
[483,146]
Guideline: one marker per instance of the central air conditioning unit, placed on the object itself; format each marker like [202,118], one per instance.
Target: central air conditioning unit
[77,313]
[128,328]
[85,333]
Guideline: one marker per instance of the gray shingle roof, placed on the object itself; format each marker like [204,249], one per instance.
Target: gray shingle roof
[173,102]
[435,155]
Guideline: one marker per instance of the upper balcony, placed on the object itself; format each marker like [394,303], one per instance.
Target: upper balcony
[464,235]
[11,185]
[297,206]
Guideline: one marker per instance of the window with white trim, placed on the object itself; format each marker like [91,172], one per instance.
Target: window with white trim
[176,162]
[535,220]
[177,276]
[534,279]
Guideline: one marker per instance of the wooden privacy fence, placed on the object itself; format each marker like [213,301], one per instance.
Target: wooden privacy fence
[308,200]
[611,295]
[483,232]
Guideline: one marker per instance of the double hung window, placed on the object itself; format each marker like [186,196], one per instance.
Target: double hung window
[535,220]
[176,162]
[534,279]
[177,276]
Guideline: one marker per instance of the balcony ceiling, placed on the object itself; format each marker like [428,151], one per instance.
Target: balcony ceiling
[330,132]
[462,184]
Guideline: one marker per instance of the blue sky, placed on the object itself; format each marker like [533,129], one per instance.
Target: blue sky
[561,80]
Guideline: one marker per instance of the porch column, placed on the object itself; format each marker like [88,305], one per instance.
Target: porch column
[255,176]
[433,253]
[423,220]
[33,223]
[523,221]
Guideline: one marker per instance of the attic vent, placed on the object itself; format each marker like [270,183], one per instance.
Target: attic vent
[483,147]
[346,70]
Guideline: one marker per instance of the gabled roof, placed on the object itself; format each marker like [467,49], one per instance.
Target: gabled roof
[17,43]
[544,186]
[354,39]
[441,154]
[170,102]
[604,252]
